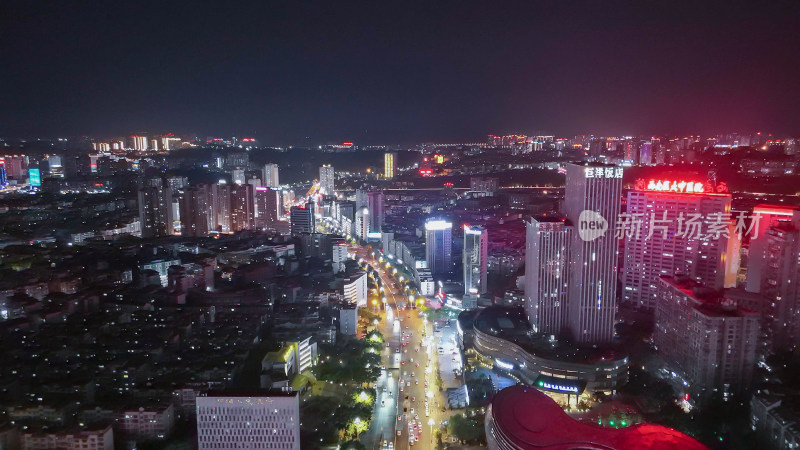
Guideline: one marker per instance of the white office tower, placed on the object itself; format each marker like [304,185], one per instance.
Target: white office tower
[438,246]
[362,222]
[269,176]
[354,289]
[474,259]
[237,175]
[547,241]
[592,200]
[326,183]
[655,246]
[372,200]
[228,422]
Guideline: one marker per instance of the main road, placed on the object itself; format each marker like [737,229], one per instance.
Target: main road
[404,415]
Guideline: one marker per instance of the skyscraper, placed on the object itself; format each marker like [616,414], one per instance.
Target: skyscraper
[439,246]
[362,222]
[373,201]
[269,176]
[326,180]
[780,272]
[195,206]
[389,165]
[658,247]
[474,259]
[268,207]
[547,243]
[139,142]
[155,208]
[767,217]
[592,201]
[302,219]
[227,422]
[242,209]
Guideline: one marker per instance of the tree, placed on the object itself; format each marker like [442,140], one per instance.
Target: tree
[353,445]
[463,428]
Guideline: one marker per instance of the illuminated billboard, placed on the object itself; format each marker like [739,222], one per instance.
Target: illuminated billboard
[35,177]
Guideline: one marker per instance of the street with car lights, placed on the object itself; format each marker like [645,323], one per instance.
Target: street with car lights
[409,404]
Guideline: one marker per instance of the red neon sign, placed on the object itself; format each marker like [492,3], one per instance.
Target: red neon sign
[425,172]
[347,143]
[679,186]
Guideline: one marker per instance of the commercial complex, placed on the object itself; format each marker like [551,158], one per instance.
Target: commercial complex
[522,418]
[500,337]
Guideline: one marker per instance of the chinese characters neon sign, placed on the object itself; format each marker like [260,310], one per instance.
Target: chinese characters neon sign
[680,186]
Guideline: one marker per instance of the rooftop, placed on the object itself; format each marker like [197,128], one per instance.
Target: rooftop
[531,419]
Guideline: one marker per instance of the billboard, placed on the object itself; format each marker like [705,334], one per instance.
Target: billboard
[35,178]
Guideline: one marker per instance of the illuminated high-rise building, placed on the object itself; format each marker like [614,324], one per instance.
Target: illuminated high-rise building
[779,274]
[237,176]
[155,209]
[657,247]
[139,142]
[768,216]
[389,165]
[326,180]
[242,209]
[301,219]
[474,259]
[373,201]
[547,243]
[705,337]
[196,210]
[592,200]
[268,206]
[3,179]
[269,176]
[439,246]
[362,221]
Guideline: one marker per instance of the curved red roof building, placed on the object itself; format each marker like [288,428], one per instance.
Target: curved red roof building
[522,417]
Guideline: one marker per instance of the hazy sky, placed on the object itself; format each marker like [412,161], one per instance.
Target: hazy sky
[294,72]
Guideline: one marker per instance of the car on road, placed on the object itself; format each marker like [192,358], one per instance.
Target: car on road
[413,399]
[416,381]
[399,432]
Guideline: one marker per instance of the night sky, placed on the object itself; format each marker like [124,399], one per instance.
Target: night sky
[294,72]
